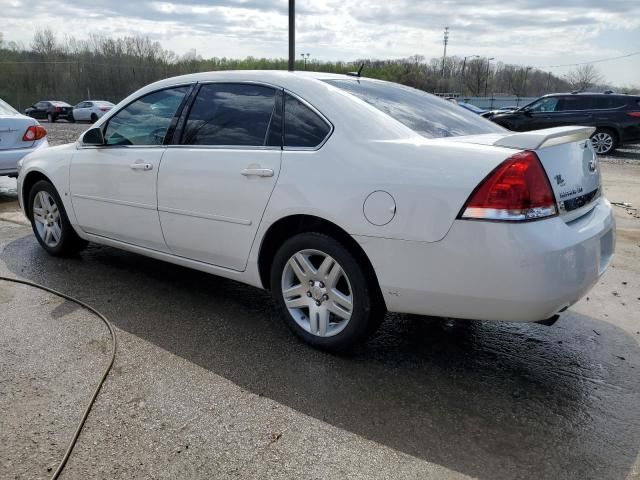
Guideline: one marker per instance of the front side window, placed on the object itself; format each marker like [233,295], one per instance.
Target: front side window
[302,126]
[548,104]
[425,114]
[146,120]
[228,114]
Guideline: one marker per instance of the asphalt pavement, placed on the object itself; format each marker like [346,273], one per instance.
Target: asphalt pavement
[209,383]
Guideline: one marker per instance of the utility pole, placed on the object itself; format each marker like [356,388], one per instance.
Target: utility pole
[486,79]
[292,34]
[446,41]
[524,87]
[464,64]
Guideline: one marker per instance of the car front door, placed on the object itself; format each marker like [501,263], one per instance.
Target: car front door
[113,187]
[541,114]
[214,185]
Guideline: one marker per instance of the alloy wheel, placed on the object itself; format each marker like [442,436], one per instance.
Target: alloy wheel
[602,142]
[317,293]
[46,216]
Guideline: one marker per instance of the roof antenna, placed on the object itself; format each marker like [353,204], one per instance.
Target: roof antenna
[358,73]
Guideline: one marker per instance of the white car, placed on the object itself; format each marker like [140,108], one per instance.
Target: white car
[19,135]
[91,110]
[346,197]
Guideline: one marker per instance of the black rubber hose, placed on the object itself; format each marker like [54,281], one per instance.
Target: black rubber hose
[114,345]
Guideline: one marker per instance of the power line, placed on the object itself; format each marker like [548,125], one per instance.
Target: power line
[592,61]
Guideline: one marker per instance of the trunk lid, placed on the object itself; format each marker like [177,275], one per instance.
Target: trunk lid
[567,157]
[12,129]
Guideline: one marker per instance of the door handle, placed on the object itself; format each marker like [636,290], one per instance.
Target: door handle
[141,166]
[257,172]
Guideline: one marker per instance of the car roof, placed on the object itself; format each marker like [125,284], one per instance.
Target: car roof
[282,78]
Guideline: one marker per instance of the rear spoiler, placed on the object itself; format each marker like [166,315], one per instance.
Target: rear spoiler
[544,138]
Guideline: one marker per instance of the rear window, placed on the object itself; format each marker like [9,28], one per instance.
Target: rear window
[6,109]
[426,114]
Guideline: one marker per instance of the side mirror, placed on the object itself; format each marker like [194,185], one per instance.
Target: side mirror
[93,137]
[526,111]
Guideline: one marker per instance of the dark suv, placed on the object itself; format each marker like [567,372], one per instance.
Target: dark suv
[51,110]
[616,117]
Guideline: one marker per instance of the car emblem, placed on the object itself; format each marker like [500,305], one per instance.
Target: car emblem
[559,180]
[593,165]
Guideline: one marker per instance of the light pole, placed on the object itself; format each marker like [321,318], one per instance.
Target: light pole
[486,79]
[305,57]
[292,34]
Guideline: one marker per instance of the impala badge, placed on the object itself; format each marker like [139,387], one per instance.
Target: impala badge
[559,180]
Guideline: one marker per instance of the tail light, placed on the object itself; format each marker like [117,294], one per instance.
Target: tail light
[57,109]
[518,189]
[33,133]
[105,109]
[634,114]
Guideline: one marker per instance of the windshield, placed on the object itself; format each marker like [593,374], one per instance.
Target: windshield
[426,114]
[6,109]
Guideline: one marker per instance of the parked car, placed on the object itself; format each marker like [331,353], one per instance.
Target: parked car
[51,110]
[91,110]
[471,107]
[616,117]
[346,197]
[19,135]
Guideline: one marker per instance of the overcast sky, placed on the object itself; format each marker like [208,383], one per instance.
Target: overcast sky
[526,32]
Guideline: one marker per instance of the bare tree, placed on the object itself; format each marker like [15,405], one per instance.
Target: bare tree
[583,77]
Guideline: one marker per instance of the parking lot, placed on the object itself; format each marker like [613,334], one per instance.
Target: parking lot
[208,383]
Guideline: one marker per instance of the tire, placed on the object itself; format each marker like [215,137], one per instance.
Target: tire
[94,118]
[604,141]
[347,309]
[50,118]
[47,213]
[71,119]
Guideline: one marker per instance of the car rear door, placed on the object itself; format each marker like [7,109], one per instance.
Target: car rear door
[114,186]
[572,110]
[214,184]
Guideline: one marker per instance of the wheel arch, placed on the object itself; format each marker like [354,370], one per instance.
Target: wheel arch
[29,181]
[291,225]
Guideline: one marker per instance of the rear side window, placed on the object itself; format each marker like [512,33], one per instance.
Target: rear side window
[426,114]
[146,120]
[606,101]
[303,127]
[231,115]
[576,102]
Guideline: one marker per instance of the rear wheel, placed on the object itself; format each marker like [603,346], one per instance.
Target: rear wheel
[604,141]
[323,292]
[50,223]
[94,118]
[50,118]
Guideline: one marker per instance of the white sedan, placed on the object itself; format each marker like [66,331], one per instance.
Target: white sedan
[19,135]
[346,197]
[91,110]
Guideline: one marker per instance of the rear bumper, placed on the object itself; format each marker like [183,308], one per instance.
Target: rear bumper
[496,271]
[9,158]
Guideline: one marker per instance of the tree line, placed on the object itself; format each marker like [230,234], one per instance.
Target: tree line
[107,68]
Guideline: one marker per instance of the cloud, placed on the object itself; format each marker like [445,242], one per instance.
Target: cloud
[533,31]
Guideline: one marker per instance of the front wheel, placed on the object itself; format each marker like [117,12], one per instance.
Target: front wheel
[50,223]
[603,141]
[323,292]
